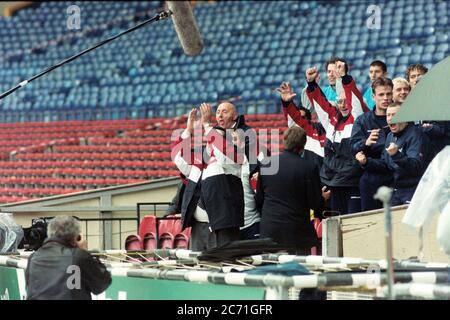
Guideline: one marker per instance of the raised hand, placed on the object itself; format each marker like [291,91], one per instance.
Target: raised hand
[312,74]
[192,121]
[286,92]
[340,68]
[205,108]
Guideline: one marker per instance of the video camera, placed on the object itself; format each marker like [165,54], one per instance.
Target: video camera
[34,236]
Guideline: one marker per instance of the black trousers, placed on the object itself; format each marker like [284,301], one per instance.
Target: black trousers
[250,233]
[202,238]
[368,186]
[402,196]
[345,199]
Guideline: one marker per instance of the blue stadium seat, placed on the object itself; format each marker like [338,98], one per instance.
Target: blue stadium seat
[253,45]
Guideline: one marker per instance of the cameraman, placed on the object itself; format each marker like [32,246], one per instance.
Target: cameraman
[62,269]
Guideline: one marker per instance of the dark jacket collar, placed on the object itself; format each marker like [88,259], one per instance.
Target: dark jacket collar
[53,241]
[399,134]
[292,152]
[240,121]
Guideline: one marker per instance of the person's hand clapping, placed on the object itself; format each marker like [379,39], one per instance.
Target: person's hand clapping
[237,140]
[340,69]
[205,108]
[192,121]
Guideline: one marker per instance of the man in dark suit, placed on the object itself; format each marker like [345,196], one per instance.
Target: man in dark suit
[286,197]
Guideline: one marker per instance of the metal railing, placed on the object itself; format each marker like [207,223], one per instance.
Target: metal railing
[156,209]
[103,220]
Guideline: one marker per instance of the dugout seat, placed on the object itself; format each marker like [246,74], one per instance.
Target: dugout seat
[133,242]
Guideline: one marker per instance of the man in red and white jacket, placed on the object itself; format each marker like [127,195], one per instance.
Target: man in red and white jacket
[340,171]
[315,133]
[213,201]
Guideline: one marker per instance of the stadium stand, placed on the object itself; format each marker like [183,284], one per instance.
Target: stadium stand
[118,152]
[255,46]
[107,118]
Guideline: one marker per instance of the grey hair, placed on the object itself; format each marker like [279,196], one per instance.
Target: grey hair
[64,228]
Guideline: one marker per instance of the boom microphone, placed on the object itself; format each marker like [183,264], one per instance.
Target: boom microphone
[186,27]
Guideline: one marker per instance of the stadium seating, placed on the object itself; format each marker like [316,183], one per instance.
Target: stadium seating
[107,118]
[250,47]
[149,241]
[133,242]
[169,233]
[104,153]
[166,240]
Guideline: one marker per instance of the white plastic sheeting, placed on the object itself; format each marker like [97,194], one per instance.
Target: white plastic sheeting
[432,196]
[10,233]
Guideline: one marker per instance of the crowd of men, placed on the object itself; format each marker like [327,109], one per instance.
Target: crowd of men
[341,146]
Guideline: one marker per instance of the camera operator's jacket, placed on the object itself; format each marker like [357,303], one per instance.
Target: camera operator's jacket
[215,181]
[57,271]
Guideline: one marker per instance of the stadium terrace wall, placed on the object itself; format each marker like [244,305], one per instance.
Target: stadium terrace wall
[362,235]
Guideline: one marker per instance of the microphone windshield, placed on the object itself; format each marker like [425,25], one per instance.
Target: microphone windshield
[186,27]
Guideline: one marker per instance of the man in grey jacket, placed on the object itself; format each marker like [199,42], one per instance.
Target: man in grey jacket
[62,269]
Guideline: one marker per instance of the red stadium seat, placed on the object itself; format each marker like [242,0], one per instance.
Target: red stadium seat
[176,226]
[147,225]
[187,232]
[318,227]
[164,225]
[166,240]
[181,241]
[133,242]
[149,241]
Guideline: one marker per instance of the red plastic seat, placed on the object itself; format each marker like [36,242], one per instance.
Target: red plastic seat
[172,225]
[176,226]
[133,242]
[187,232]
[318,227]
[165,226]
[148,225]
[166,240]
[181,241]
[149,241]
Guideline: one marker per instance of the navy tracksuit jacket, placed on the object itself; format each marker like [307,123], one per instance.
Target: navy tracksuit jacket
[369,181]
[406,167]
